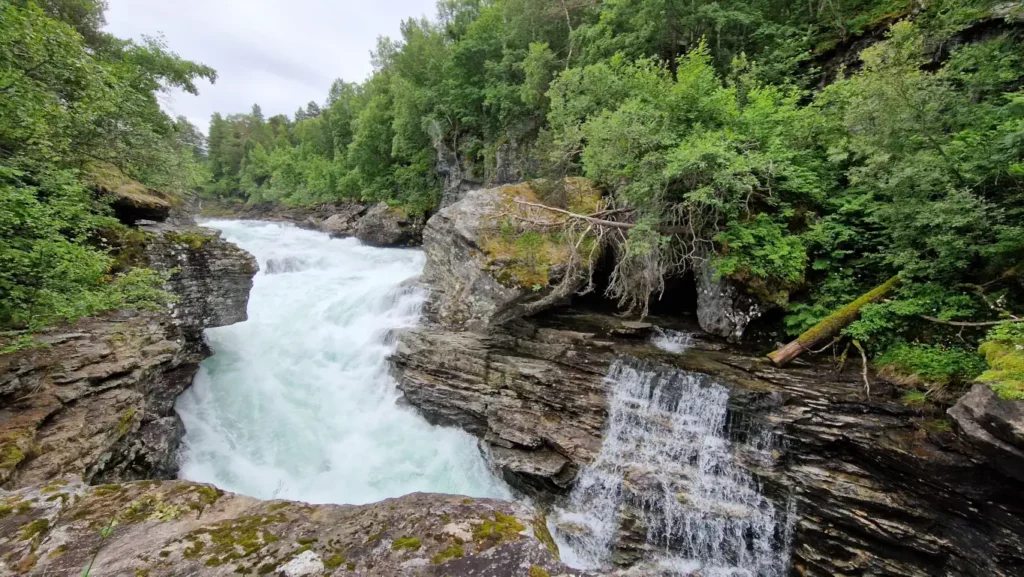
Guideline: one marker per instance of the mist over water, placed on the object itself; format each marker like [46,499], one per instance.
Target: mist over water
[297,402]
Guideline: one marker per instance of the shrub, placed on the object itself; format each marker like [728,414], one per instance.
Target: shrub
[1003,348]
[926,363]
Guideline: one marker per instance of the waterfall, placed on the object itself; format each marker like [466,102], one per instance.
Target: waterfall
[671,341]
[297,401]
[667,487]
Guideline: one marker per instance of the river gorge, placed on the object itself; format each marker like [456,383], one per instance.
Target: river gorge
[313,405]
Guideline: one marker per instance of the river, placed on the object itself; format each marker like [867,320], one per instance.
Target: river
[297,403]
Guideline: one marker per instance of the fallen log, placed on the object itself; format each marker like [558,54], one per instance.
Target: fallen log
[829,327]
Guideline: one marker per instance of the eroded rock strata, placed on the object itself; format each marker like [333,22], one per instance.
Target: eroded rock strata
[181,528]
[876,487]
[96,398]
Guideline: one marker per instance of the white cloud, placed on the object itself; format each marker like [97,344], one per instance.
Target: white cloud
[279,54]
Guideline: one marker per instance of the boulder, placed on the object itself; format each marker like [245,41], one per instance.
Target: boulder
[212,277]
[994,425]
[724,308]
[387,226]
[476,280]
[343,223]
[130,200]
[175,528]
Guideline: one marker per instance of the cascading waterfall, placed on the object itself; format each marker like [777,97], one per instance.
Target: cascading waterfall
[668,470]
[671,341]
[297,401]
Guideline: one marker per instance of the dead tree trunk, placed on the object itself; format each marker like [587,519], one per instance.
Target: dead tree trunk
[829,327]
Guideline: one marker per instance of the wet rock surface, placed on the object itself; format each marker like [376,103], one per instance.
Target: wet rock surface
[181,528]
[877,487]
[724,309]
[344,221]
[386,226]
[96,398]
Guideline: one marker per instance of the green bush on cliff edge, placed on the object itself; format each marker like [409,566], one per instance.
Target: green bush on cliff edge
[1004,350]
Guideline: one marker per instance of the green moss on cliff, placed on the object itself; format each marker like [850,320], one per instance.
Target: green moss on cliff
[1004,350]
[406,543]
[521,255]
[502,529]
[454,552]
[192,240]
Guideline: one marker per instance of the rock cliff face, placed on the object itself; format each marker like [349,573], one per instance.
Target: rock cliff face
[179,528]
[877,487]
[96,398]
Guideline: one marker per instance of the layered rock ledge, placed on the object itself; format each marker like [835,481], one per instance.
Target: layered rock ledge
[876,487]
[96,398]
[179,528]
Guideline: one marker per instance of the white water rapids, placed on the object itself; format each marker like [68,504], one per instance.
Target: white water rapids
[297,402]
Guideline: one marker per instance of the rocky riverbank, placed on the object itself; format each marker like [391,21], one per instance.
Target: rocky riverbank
[876,487]
[182,528]
[89,440]
[872,486]
[96,398]
[373,224]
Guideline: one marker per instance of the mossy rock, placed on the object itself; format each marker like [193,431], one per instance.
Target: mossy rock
[520,255]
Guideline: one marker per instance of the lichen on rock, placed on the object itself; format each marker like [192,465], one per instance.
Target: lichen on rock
[172,528]
[485,268]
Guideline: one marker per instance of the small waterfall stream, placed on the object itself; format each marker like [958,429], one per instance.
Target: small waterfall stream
[671,341]
[668,474]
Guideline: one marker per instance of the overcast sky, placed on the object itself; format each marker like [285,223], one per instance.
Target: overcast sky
[278,53]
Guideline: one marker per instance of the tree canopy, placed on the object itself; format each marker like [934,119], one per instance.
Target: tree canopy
[74,103]
[810,151]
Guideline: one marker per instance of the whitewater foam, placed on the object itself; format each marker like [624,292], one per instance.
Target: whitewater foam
[297,401]
[667,466]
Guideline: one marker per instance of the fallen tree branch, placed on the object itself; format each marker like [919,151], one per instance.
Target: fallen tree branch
[970,324]
[669,230]
[590,219]
[864,368]
[830,326]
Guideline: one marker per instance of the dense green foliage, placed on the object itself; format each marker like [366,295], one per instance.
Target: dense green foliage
[73,98]
[734,121]
[749,133]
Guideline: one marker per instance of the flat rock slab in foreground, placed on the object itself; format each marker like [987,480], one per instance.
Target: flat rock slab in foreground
[182,528]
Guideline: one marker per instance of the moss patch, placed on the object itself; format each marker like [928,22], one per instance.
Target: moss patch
[406,543]
[15,447]
[334,561]
[125,421]
[453,552]
[34,529]
[232,540]
[192,240]
[1004,350]
[541,532]
[536,571]
[151,508]
[501,529]
[525,258]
